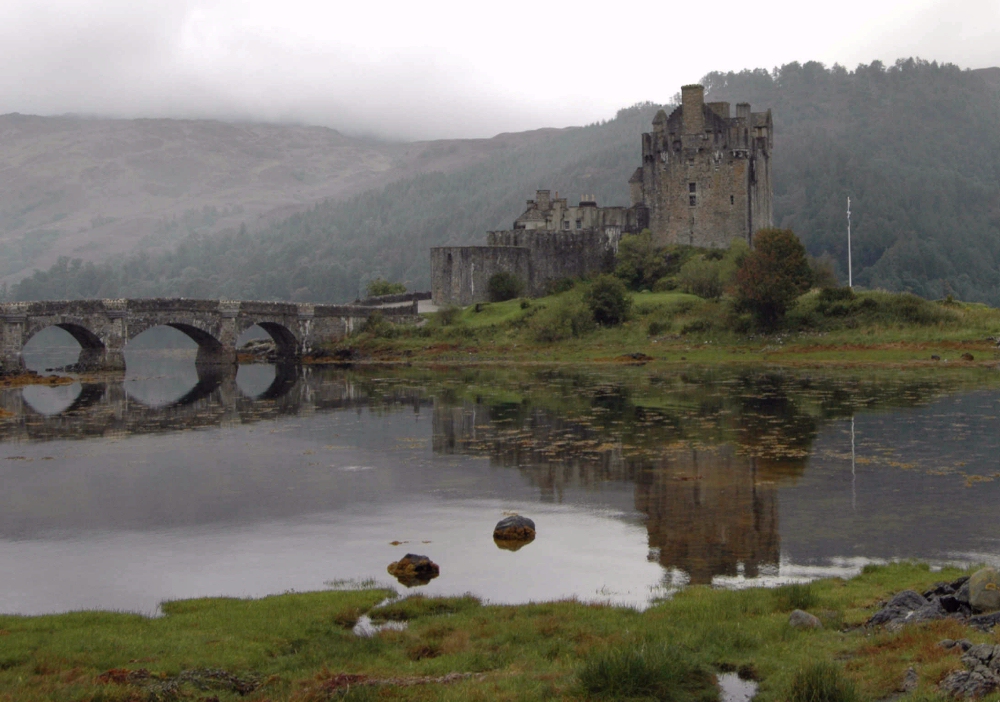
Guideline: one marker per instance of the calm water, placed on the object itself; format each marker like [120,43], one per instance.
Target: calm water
[170,484]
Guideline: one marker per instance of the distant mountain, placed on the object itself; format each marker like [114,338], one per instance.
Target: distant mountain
[93,188]
[916,146]
[327,252]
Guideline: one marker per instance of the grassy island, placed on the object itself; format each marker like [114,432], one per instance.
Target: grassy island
[300,646]
[828,327]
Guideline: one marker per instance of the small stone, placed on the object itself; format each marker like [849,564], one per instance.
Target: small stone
[964,644]
[935,357]
[412,570]
[910,680]
[984,590]
[803,620]
[947,643]
[515,528]
[968,356]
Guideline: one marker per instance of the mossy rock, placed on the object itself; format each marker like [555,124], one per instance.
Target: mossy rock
[984,590]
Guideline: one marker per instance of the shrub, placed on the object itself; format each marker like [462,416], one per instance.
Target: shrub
[640,263]
[503,286]
[835,294]
[772,275]
[562,285]
[564,320]
[447,316]
[700,276]
[656,327]
[653,671]
[821,682]
[378,326]
[381,286]
[665,284]
[608,300]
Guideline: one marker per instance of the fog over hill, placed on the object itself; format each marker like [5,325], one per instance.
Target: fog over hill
[93,188]
[916,146]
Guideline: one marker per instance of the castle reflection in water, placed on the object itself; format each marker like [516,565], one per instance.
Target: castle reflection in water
[709,511]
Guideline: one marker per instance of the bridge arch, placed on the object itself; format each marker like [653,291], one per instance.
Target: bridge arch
[91,346]
[210,349]
[286,343]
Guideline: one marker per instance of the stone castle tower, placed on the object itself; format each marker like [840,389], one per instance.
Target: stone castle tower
[705,177]
[705,180]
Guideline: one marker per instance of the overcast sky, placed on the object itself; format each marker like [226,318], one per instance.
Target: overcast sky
[440,68]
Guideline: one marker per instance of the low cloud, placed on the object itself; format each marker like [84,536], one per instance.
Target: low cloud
[437,69]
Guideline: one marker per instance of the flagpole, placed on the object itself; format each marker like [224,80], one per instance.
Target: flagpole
[850,276]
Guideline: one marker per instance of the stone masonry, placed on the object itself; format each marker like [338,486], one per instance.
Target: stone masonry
[705,180]
[104,327]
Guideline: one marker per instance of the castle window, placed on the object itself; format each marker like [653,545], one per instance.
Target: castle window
[692,187]
[565,224]
[692,200]
[579,224]
[732,200]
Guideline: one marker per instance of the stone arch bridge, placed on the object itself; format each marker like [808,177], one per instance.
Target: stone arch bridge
[104,327]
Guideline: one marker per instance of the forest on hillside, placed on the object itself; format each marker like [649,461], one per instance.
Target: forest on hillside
[916,145]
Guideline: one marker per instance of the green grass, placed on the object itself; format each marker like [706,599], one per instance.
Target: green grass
[297,647]
[823,327]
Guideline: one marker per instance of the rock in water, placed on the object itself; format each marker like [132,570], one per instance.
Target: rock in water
[803,620]
[511,533]
[412,570]
[984,590]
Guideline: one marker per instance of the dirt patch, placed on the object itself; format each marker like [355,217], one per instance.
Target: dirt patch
[20,380]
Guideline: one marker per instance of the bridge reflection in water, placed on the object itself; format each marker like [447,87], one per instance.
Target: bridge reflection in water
[217,397]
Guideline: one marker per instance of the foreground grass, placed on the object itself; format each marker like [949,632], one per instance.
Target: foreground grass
[300,647]
[870,328]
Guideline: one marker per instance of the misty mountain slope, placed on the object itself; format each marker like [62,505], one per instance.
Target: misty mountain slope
[328,251]
[92,188]
[915,145]
[917,148]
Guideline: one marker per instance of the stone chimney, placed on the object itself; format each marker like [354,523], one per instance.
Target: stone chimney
[743,111]
[542,200]
[693,101]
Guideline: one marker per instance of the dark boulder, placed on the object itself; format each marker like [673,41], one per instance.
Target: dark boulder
[412,570]
[511,533]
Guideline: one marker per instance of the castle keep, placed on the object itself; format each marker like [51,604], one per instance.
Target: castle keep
[705,180]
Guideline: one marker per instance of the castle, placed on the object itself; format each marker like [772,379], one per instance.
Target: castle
[705,180]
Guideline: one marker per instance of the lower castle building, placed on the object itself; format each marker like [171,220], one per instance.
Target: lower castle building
[705,180]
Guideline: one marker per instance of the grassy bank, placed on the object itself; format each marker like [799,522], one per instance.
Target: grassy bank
[300,647]
[823,327]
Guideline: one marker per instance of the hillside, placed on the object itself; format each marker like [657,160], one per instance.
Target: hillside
[915,145]
[91,188]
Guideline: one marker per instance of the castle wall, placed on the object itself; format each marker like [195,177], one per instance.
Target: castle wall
[562,254]
[460,274]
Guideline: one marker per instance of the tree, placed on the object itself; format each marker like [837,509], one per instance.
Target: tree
[772,275]
[608,300]
[381,286]
[503,285]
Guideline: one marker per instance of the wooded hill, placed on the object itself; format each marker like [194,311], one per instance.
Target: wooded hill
[916,146]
